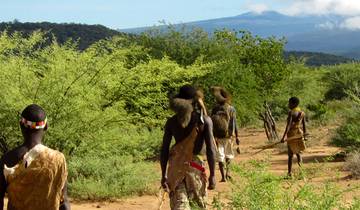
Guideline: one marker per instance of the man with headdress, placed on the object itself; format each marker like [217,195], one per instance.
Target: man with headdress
[185,176]
[34,176]
[295,132]
[225,130]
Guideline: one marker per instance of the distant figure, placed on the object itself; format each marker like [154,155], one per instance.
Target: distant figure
[225,130]
[33,175]
[295,132]
[185,178]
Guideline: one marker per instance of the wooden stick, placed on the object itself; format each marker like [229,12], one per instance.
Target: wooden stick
[162,196]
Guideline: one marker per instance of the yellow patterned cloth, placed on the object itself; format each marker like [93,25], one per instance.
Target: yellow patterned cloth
[295,135]
[36,183]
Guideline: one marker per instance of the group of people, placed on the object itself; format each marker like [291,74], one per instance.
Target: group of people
[35,176]
[182,165]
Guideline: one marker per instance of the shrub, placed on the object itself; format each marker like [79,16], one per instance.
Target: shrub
[348,135]
[91,177]
[343,79]
[353,164]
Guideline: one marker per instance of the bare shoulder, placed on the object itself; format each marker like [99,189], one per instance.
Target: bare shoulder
[12,157]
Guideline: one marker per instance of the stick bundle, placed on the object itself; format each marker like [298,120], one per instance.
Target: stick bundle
[269,124]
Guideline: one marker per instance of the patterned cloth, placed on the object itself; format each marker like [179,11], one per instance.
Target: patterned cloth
[36,182]
[225,149]
[295,135]
[191,192]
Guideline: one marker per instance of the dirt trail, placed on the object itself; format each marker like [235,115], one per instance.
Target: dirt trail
[314,157]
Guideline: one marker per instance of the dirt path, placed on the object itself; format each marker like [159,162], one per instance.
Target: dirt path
[315,157]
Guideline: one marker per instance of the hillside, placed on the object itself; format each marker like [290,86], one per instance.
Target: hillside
[304,33]
[88,34]
[315,58]
[84,34]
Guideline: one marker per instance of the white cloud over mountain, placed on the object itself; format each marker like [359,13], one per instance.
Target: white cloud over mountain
[352,23]
[323,7]
[258,8]
[350,9]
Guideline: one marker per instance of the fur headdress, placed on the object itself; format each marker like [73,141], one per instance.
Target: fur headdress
[221,95]
[183,104]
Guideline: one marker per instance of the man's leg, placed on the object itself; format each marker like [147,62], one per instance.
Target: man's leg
[179,198]
[221,158]
[229,154]
[290,156]
[222,171]
[299,159]
[228,160]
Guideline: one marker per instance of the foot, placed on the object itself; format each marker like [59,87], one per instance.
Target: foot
[288,176]
[223,180]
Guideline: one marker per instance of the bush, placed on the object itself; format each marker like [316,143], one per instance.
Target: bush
[353,164]
[343,79]
[348,135]
[91,177]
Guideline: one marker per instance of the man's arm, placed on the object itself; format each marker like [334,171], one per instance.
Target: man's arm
[164,153]
[65,205]
[2,185]
[304,128]
[210,150]
[288,123]
[236,127]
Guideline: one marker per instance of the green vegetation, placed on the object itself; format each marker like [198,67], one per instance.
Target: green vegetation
[257,188]
[107,103]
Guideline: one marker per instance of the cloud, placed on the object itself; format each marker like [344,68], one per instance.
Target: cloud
[352,23]
[327,25]
[323,7]
[258,8]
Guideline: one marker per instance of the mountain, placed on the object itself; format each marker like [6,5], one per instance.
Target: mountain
[84,34]
[323,33]
[316,59]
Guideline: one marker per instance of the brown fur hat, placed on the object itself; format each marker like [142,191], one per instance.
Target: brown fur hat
[221,95]
[183,103]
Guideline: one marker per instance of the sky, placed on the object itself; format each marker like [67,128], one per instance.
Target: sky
[120,14]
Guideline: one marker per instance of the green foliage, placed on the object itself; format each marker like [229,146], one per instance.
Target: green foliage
[100,102]
[260,189]
[348,135]
[106,104]
[307,84]
[343,81]
[92,177]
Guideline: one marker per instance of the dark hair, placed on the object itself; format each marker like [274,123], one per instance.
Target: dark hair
[294,101]
[186,92]
[34,113]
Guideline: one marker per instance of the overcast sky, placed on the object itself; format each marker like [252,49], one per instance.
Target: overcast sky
[119,14]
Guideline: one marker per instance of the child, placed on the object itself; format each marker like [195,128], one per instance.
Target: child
[294,132]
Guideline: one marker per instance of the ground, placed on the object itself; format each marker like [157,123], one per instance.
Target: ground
[316,162]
